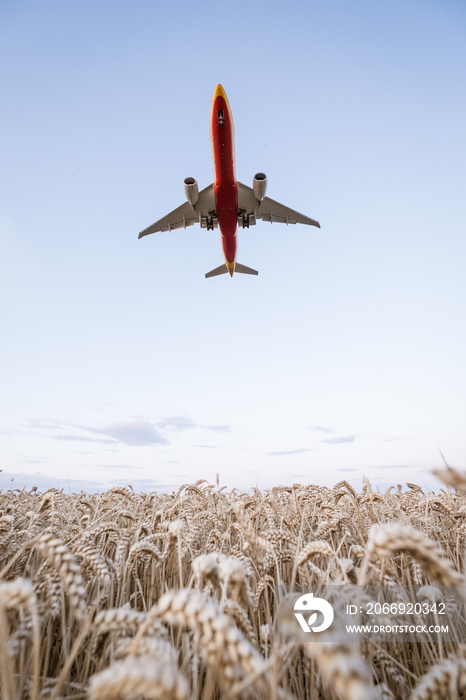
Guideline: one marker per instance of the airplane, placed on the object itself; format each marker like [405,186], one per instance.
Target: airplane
[226,203]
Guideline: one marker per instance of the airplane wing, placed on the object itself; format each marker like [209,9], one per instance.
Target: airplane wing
[268,209]
[179,218]
[203,213]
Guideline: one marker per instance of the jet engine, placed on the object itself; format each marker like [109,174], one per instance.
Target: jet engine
[191,190]
[259,185]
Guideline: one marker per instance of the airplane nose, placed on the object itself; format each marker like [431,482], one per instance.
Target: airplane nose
[219,92]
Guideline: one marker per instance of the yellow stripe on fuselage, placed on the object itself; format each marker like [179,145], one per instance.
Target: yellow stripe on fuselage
[220,92]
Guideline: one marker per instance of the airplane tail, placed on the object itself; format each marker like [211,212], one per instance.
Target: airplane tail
[222,270]
[245,270]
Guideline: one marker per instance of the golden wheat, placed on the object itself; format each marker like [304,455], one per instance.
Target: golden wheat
[173,595]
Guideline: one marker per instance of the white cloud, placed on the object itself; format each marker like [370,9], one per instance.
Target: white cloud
[135,433]
[339,440]
[289,452]
[185,423]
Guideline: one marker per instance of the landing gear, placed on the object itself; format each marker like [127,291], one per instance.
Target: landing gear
[209,222]
[246,220]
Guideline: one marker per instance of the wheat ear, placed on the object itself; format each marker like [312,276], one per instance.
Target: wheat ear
[395,537]
[343,669]
[444,680]
[221,644]
[59,556]
[16,594]
[143,676]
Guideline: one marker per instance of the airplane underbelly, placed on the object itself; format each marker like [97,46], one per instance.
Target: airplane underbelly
[226,201]
[225,187]
[229,248]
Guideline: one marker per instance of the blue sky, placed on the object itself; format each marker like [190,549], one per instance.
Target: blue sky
[120,362]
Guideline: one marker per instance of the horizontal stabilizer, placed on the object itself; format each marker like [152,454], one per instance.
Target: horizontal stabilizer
[245,270]
[222,270]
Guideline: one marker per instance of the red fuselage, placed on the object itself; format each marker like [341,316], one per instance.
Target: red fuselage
[225,187]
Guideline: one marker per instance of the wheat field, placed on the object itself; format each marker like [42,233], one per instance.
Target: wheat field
[171,596]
